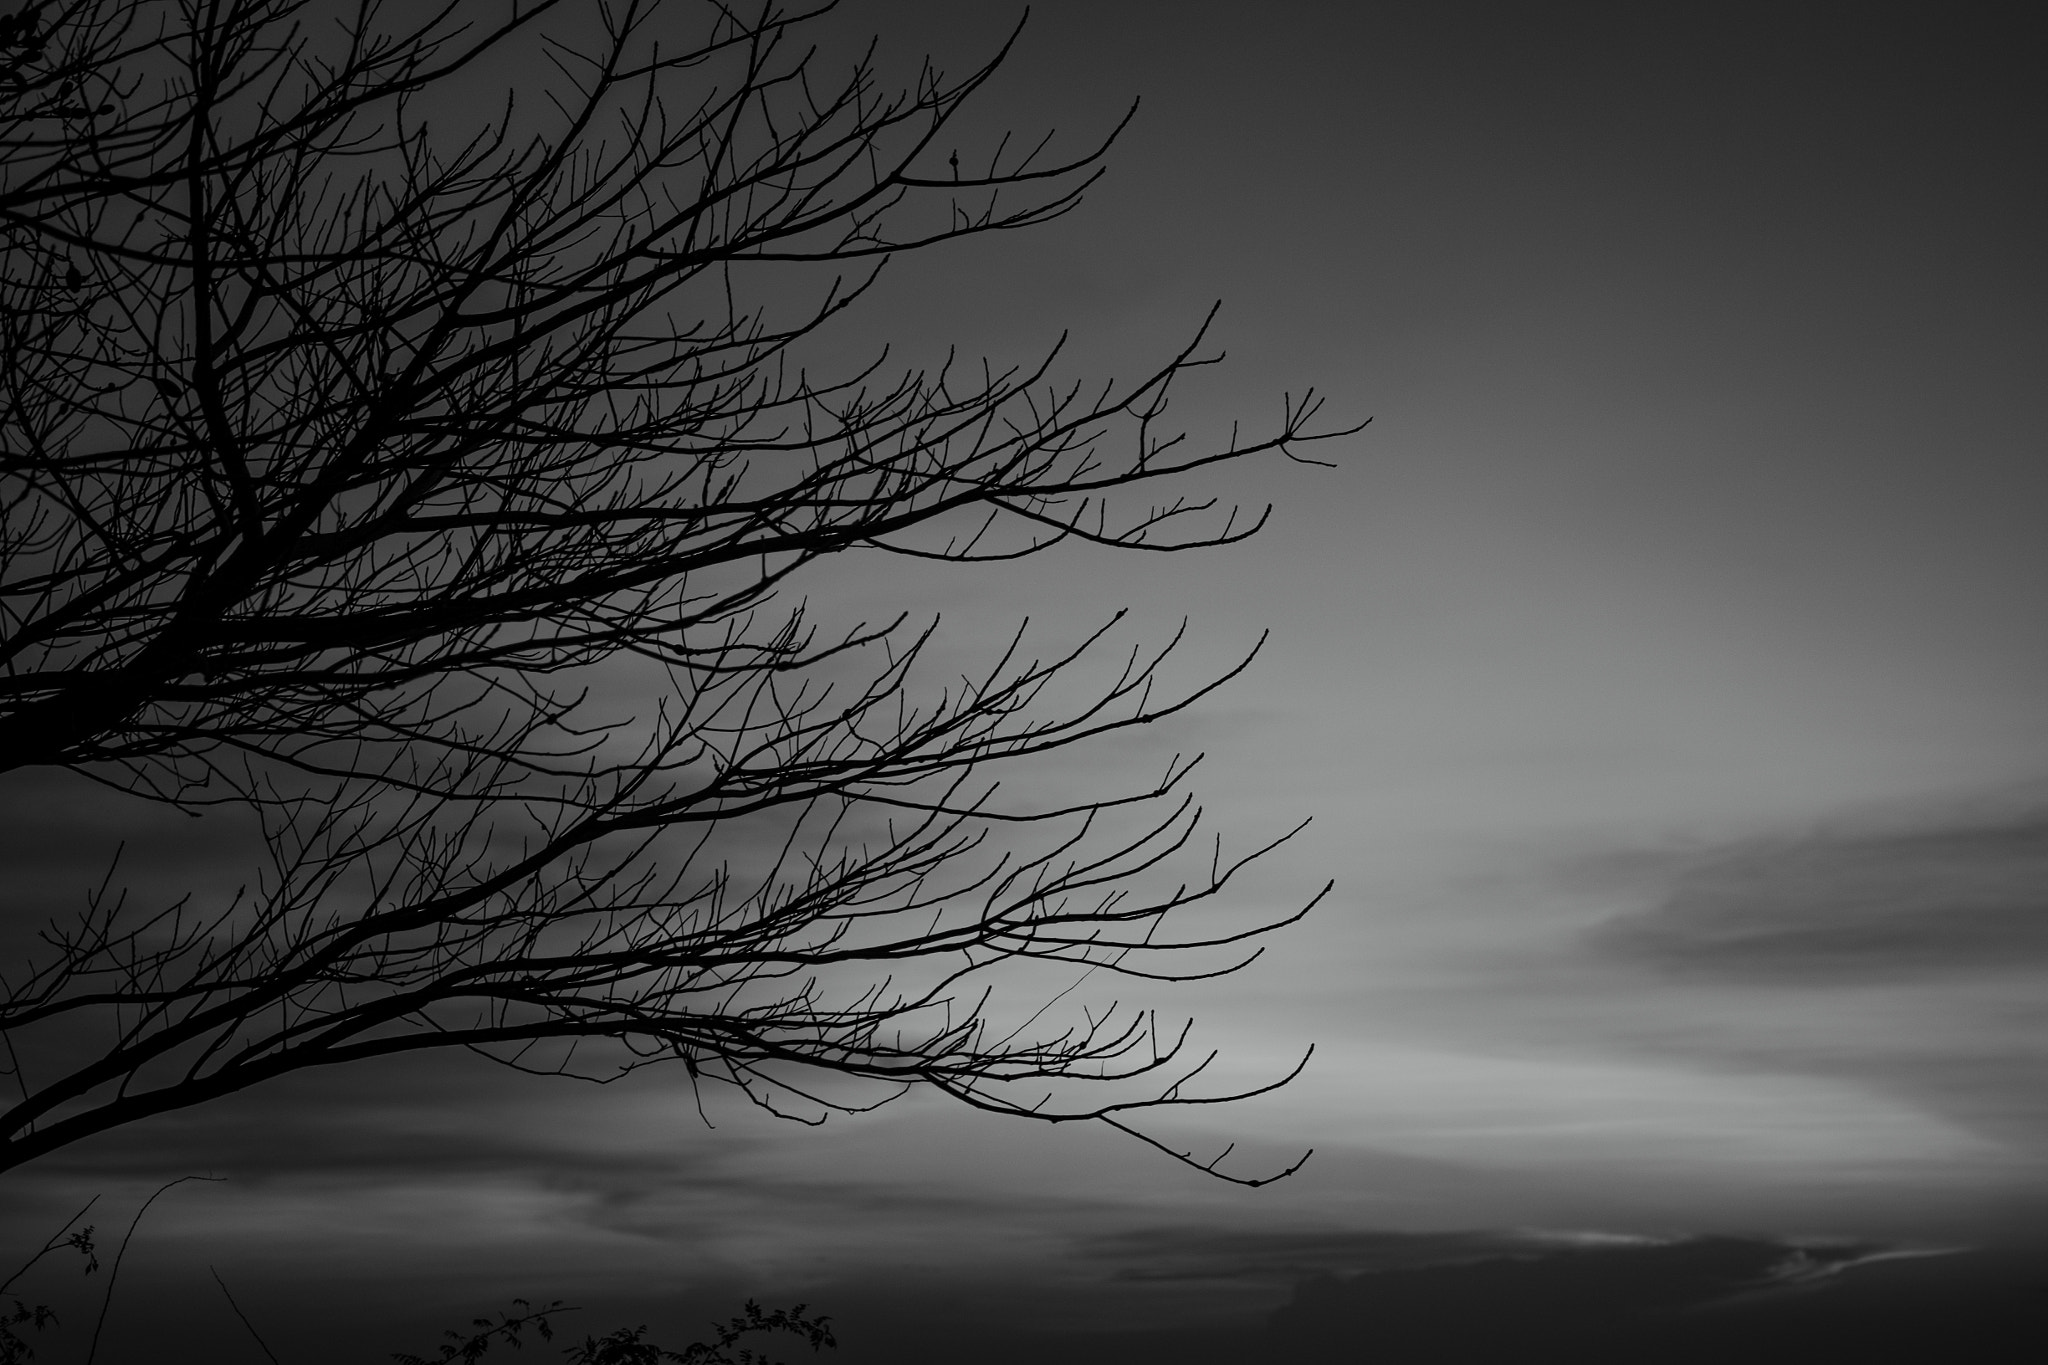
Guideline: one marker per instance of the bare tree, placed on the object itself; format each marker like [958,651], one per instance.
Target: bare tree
[344,447]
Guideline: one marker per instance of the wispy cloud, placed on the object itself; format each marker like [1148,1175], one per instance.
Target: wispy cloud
[1283,1254]
[1854,908]
[1708,1298]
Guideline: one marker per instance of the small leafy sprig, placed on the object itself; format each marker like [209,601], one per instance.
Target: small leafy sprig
[14,1347]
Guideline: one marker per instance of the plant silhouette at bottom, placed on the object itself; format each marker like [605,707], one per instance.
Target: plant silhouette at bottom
[628,1345]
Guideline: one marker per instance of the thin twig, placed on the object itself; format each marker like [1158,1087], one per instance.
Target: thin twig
[261,1344]
[114,1272]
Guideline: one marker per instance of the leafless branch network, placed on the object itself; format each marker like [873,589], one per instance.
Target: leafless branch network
[350,424]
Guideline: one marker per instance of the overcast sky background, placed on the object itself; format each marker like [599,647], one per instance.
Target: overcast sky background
[1664,669]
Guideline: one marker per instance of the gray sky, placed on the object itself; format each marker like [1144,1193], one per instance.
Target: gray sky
[1663,669]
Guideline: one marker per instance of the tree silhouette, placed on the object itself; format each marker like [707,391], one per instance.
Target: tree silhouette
[356,425]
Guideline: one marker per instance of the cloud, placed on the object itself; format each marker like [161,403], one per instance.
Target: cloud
[1901,952]
[1236,1253]
[1508,1295]
[1701,1298]
[1854,908]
